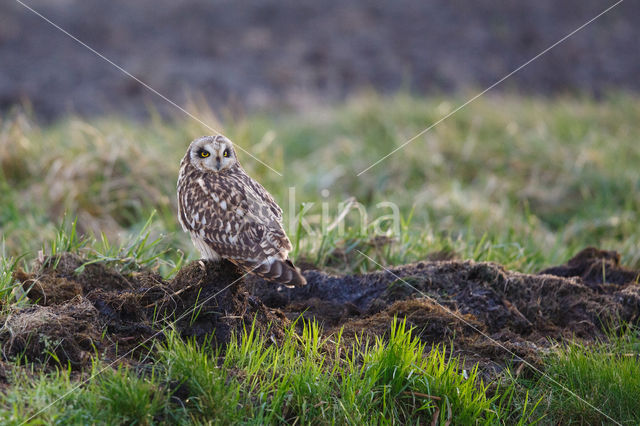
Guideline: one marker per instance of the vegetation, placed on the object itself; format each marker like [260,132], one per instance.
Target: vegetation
[606,374]
[522,182]
[307,379]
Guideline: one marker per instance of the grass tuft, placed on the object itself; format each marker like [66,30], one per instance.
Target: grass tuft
[606,375]
[310,379]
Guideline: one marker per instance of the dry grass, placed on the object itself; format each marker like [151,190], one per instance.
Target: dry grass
[525,182]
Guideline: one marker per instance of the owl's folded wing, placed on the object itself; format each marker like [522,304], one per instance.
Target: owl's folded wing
[235,223]
[262,194]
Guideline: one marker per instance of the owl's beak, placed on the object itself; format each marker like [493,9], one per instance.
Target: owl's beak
[218,165]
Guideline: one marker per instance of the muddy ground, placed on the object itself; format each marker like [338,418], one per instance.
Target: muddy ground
[476,306]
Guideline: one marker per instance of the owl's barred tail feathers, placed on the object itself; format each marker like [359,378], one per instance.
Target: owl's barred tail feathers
[281,272]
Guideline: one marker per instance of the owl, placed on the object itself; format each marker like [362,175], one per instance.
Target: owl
[229,215]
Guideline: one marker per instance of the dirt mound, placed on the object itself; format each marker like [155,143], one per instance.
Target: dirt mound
[82,308]
[518,311]
[478,308]
[546,305]
[596,268]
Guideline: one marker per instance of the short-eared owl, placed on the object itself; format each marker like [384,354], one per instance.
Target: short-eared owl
[231,216]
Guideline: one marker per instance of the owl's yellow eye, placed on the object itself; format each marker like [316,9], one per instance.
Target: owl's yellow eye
[204,154]
[225,153]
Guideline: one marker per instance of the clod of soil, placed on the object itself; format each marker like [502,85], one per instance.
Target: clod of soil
[596,268]
[480,309]
[63,333]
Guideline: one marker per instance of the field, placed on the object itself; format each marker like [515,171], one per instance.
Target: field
[425,299]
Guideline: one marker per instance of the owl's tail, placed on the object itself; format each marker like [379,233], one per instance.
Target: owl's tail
[282,272]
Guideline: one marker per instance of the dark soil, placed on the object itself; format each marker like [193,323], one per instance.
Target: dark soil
[72,309]
[524,313]
[485,313]
[261,53]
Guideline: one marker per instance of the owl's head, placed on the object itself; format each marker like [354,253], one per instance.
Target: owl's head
[212,154]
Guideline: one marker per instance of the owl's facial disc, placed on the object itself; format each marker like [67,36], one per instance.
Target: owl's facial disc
[213,154]
[226,154]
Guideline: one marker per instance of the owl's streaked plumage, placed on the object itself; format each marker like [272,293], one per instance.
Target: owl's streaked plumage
[231,216]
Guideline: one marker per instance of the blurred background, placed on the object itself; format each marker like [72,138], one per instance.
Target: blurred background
[539,167]
[265,54]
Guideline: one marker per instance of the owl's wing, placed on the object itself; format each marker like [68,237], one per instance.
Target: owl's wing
[232,218]
[266,198]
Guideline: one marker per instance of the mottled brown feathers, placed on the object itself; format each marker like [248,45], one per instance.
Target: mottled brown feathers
[230,215]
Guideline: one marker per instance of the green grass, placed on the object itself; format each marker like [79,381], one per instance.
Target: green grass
[115,396]
[524,182]
[307,380]
[521,181]
[606,375]
[311,379]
